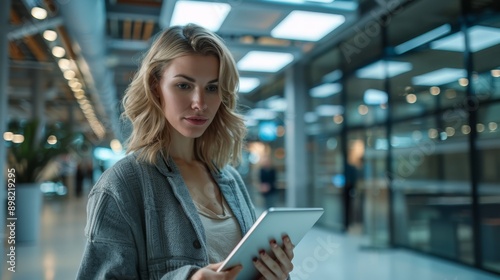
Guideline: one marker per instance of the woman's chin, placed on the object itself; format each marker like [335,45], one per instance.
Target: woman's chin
[193,134]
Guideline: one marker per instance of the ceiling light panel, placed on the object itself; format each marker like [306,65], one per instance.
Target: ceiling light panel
[325,90]
[276,104]
[264,61]
[481,37]
[439,77]
[258,18]
[329,110]
[375,97]
[310,117]
[261,114]
[210,15]
[341,5]
[307,26]
[248,84]
[332,76]
[378,69]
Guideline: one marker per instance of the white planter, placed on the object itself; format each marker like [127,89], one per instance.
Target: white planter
[28,212]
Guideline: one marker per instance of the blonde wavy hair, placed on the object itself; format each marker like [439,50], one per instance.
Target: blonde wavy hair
[222,142]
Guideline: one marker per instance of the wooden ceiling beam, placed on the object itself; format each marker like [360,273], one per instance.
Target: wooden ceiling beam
[15,52]
[127,29]
[36,49]
[148,30]
[137,30]
[66,42]
[14,17]
[30,41]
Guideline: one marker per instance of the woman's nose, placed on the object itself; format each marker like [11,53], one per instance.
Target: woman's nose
[198,102]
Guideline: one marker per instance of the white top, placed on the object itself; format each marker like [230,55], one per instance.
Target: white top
[222,231]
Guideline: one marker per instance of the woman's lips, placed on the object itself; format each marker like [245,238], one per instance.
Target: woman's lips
[196,120]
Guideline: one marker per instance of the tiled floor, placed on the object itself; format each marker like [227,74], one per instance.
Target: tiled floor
[58,253]
[321,255]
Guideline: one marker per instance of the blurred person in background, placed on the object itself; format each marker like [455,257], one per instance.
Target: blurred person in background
[174,207]
[83,174]
[267,186]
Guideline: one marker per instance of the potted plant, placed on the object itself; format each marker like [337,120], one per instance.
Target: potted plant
[30,152]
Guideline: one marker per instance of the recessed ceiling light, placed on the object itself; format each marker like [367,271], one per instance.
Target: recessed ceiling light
[325,90]
[7,136]
[248,84]
[58,51]
[207,14]
[338,119]
[363,109]
[307,26]
[439,77]
[64,63]
[481,37]
[18,138]
[69,74]
[38,13]
[264,61]
[50,35]
[378,69]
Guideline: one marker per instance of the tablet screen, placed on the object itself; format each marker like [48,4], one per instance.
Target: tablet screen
[272,224]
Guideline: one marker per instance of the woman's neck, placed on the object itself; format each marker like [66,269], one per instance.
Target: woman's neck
[182,148]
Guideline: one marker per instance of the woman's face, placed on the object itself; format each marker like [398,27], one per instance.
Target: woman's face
[189,93]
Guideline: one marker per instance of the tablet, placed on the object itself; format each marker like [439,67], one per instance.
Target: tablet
[272,224]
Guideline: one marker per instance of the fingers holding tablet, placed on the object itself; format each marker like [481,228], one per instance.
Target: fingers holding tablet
[210,272]
[273,224]
[288,246]
[279,266]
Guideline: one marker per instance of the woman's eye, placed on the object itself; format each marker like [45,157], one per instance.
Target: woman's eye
[212,88]
[183,86]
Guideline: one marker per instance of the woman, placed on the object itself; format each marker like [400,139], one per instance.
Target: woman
[173,208]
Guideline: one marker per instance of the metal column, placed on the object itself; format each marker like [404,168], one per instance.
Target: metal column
[297,172]
[474,154]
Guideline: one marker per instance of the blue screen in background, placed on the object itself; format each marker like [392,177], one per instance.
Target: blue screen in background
[267,131]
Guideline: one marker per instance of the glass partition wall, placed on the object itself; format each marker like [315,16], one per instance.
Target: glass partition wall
[486,93]
[403,131]
[430,163]
[324,120]
[410,131]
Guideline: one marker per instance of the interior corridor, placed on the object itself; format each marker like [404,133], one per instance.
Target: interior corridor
[322,255]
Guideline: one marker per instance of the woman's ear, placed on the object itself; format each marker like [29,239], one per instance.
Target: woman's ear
[156,91]
[154,85]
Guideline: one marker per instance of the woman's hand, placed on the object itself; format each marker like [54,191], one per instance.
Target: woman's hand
[280,266]
[209,272]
